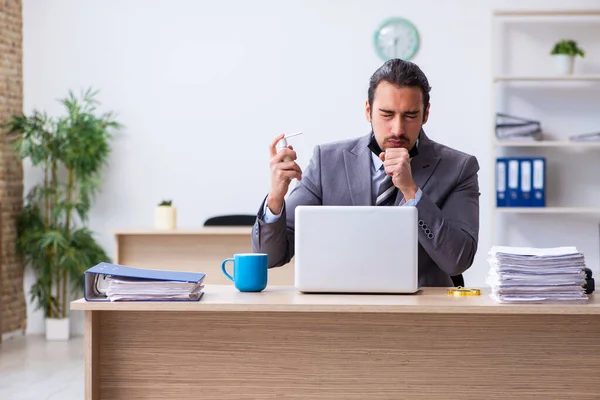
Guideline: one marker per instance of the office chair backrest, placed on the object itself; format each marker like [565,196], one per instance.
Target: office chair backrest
[231,220]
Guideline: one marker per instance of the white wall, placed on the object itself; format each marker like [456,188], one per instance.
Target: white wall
[202,88]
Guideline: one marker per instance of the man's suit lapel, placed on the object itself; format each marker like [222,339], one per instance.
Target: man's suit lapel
[357,163]
[422,166]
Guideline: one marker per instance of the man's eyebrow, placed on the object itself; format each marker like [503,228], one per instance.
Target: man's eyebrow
[409,112]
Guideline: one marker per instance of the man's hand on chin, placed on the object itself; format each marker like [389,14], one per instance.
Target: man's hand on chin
[396,162]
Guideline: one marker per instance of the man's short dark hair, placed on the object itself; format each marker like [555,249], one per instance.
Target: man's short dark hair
[400,73]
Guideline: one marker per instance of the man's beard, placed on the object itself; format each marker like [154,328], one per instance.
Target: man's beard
[374,146]
[402,139]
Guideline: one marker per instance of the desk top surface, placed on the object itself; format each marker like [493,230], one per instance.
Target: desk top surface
[225,298]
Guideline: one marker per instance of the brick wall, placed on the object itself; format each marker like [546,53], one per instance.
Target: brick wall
[14,312]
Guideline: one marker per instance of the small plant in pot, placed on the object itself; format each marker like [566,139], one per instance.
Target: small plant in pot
[165,215]
[564,52]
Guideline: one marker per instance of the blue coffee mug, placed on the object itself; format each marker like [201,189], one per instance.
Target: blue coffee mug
[250,271]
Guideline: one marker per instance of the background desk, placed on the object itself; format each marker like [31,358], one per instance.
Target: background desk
[199,250]
[280,343]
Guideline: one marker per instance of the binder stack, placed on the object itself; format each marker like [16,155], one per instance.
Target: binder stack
[112,282]
[521,182]
[537,275]
[517,128]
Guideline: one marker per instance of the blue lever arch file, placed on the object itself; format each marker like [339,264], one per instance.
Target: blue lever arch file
[501,178]
[539,182]
[525,193]
[514,183]
[92,277]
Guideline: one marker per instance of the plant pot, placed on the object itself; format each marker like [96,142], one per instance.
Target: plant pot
[57,328]
[564,64]
[165,217]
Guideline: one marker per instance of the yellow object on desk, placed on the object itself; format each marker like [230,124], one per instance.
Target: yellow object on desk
[461,291]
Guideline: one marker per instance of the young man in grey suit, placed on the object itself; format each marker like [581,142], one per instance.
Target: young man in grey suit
[394,165]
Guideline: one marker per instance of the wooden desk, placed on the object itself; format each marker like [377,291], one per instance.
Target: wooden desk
[283,344]
[198,250]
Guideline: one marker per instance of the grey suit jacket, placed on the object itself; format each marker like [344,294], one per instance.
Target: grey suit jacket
[339,173]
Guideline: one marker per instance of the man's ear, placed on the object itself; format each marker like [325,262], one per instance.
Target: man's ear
[426,113]
[368,111]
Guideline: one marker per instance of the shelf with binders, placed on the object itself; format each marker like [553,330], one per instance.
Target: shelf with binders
[566,179]
[514,131]
[529,82]
[529,133]
[527,180]
[538,169]
[543,110]
[520,182]
[537,166]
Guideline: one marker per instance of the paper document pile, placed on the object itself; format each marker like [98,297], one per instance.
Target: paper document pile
[537,275]
[122,288]
[113,282]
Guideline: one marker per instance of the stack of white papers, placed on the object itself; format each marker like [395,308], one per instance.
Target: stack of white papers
[537,275]
[123,288]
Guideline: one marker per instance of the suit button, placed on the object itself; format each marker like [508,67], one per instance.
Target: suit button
[427,231]
[430,235]
[425,227]
[421,223]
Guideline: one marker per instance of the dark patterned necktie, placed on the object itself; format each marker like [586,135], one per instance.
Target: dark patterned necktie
[387,192]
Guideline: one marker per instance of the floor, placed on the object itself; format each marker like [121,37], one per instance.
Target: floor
[33,368]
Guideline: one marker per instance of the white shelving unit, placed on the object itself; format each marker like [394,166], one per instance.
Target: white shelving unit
[577,20]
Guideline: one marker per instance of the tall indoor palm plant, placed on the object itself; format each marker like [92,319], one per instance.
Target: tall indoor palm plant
[70,151]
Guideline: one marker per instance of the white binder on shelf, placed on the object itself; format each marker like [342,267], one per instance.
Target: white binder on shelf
[501,177]
[538,181]
[525,183]
[514,198]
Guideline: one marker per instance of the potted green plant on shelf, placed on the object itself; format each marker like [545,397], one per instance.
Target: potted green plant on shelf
[165,215]
[70,152]
[564,52]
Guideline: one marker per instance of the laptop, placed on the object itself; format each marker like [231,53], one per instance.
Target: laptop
[356,249]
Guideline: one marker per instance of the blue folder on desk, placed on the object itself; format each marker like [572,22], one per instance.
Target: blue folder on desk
[94,274]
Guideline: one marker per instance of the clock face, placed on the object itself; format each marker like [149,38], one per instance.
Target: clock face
[396,38]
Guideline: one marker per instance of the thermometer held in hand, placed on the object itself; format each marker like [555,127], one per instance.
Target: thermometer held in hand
[282,144]
[293,134]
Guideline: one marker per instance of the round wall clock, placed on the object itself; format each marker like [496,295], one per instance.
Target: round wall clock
[396,38]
